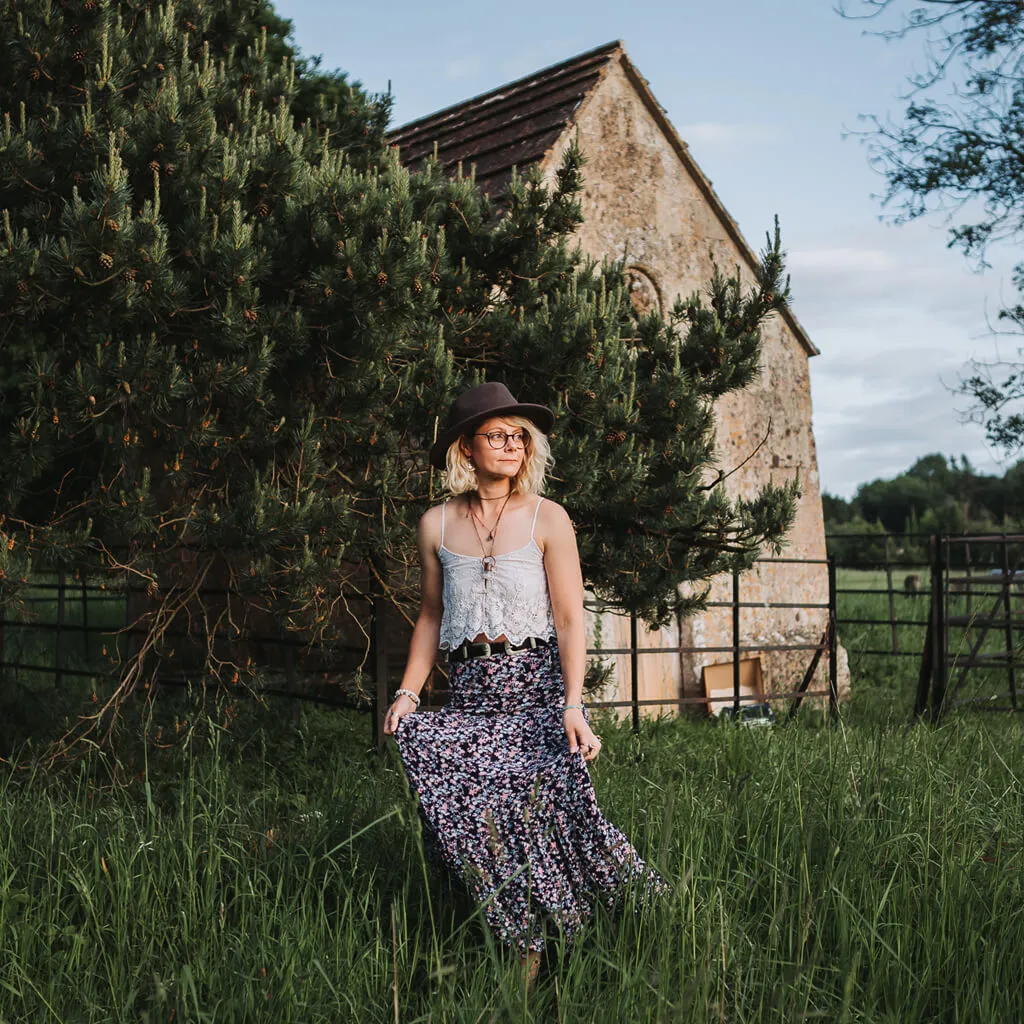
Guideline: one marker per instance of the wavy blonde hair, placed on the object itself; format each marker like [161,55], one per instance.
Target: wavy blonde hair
[460,476]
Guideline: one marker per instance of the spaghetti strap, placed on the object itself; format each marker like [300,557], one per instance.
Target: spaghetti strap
[535,511]
[443,507]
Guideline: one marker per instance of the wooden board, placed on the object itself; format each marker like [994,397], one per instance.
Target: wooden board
[718,682]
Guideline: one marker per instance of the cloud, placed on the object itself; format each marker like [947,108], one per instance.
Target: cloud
[897,320]
[463,67]
[841,260]
[729,138]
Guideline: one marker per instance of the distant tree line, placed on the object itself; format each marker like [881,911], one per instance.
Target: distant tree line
[935,495]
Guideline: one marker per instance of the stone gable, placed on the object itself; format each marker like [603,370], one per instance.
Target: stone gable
[645,199]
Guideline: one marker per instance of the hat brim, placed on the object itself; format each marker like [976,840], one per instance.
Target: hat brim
[540,415]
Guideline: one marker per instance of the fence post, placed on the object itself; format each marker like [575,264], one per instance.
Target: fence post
[833,641]
[938,631]
[378,649]
[59,643]
[634,672]
[1011,671]
[86,636]
[925,670]
[967,565]
[892,599]
[736,643]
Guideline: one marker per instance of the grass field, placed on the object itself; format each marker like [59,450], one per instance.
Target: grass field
[272,871]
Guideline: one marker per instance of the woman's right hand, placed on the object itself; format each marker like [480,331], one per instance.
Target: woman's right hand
[402,707]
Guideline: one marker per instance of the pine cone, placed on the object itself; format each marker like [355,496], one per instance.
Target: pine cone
[22,288]
[417,286]
[382,279]
[106,259]
[129,273]
[251,315]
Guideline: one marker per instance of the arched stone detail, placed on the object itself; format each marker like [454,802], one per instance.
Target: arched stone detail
[644,292]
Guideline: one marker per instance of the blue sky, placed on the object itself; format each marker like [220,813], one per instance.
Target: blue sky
[767,96]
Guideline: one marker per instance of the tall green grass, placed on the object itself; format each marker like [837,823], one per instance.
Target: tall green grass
[868,872]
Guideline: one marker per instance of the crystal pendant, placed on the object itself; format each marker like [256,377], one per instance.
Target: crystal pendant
[488,564]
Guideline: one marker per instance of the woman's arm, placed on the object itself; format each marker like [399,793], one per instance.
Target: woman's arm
[565,587]
[426,633]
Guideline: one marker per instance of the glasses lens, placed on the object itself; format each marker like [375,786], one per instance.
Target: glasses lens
[499,439]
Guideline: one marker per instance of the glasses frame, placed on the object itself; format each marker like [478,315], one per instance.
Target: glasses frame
[523,434]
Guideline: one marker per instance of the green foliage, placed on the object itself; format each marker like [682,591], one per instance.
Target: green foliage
[936,495]
[230,321]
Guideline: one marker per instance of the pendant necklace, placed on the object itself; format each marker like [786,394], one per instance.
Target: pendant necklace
[488,561]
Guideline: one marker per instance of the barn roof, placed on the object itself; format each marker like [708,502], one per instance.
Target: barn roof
[519,124]
[512,126]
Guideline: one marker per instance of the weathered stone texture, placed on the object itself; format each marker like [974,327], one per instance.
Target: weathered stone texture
[646,200]
[642,202]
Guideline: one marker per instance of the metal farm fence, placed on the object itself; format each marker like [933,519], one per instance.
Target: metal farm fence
[74,623]
[958,610]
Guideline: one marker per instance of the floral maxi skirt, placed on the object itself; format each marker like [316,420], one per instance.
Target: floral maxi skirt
[510,810]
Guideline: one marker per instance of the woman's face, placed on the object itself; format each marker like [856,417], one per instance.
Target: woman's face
[504,461]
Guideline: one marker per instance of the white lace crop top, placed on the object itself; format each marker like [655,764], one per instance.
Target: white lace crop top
[515,601]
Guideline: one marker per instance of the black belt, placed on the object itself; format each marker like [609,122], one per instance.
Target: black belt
[485,650]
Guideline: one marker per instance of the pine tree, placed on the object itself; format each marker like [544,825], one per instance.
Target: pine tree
[231,321]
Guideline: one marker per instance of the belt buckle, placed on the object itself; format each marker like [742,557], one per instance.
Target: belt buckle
[486,644]
[529,644]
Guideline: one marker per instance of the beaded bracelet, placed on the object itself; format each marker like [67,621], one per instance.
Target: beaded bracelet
[570,707]
[414,697]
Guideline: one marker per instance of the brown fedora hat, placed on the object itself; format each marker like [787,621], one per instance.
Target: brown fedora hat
[480,403]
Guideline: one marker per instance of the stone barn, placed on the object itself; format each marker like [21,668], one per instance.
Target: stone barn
[644,197]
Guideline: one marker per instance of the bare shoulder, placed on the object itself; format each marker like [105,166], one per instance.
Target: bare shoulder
[553,524]
[428,533]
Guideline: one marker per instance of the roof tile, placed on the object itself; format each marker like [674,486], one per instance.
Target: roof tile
[512,126]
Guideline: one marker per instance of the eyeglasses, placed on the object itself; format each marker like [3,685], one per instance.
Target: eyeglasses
[499,439]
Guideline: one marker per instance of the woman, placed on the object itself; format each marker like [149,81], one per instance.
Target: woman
[500,771]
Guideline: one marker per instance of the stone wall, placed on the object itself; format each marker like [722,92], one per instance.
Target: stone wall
[641,201]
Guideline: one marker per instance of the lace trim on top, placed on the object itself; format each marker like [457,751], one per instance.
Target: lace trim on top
[515,601]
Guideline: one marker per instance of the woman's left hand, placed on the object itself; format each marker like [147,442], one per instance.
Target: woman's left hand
[581,736]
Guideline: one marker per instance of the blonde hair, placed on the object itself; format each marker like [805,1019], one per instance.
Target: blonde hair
[460,476]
